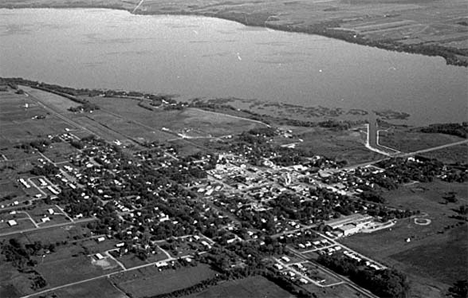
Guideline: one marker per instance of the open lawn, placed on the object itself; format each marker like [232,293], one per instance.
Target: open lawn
[256,286]
[166,281]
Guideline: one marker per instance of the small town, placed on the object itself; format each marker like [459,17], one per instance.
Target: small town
[253,209]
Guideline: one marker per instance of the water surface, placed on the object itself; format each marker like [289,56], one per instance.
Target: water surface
[206,57]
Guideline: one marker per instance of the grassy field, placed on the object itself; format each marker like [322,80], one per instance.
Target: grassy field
[13,284]
[408,141]
[64,271]
[16,113]
[444,241]
[450,155]
[342,145]
[150,282]
[100,288]
[256,286]
[60,103]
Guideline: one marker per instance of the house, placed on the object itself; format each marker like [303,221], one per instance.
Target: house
[12,223]
[98,256]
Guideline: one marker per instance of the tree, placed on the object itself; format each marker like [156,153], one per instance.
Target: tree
[459,289]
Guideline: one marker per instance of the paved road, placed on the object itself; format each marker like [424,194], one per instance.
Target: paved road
[433,148]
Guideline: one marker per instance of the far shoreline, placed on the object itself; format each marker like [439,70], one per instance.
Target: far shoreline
[320,30]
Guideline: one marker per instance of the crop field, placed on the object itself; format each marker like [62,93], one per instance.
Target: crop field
[167,280]
[100,288]
[256,286]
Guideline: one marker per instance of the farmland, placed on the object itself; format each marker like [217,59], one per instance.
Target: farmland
[250,287]
[100,288]
[142,284]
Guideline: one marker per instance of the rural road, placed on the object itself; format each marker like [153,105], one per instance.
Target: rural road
[49,227]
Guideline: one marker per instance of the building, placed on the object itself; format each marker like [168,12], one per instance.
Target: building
[357,219]
[348,225]
[348,229]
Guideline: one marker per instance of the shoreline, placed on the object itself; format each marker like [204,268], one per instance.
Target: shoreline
[326,29]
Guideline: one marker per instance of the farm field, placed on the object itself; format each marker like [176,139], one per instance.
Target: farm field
[256,286]
[167,280]
[18,125]
[100,288]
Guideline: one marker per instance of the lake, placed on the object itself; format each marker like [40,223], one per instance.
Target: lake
[207,57]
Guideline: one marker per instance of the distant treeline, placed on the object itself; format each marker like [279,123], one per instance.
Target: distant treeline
[72,93]
[455,129]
